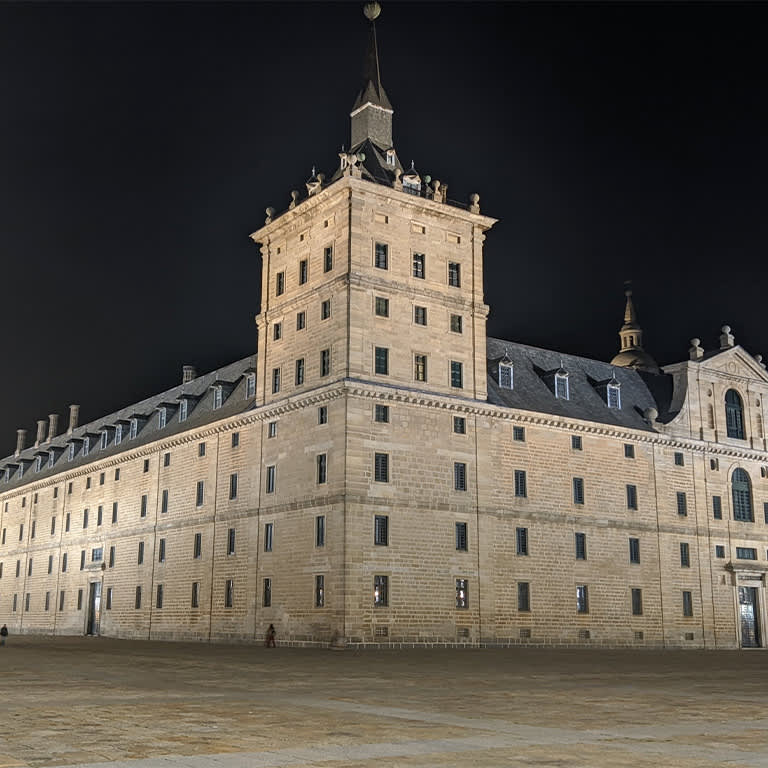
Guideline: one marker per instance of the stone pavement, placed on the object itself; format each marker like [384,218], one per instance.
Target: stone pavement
[110,703]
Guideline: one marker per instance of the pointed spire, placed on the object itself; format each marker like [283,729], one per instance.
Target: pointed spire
[632,354]
[630,318]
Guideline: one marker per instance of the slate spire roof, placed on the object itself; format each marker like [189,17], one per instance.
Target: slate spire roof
[372,91]
[632,354]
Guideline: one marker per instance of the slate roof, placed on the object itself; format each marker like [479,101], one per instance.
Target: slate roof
[532,392]
[201,412]
[372,90]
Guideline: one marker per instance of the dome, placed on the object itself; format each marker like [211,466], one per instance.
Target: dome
[638,359]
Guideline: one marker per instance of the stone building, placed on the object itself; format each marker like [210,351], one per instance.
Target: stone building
[382,472]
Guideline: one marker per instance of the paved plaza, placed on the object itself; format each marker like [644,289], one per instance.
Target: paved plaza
[101,702]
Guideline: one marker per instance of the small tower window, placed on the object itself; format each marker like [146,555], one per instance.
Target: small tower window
[734,414]
[561,385]
[614,394]
[391,159]
[506,377]
[250,385]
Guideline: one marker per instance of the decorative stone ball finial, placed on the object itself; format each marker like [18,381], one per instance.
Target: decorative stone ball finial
[759,360]
[270,213]
[726,338]
[650,414]
[294,198]
[474,203]
[372,11]
[696,352]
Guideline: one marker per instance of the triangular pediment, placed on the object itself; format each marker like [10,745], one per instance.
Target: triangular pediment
[736,361]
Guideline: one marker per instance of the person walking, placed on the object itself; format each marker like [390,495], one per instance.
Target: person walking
[3,634]
[271,637]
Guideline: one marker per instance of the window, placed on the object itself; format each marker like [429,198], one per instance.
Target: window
[325,309]
[48,601]
[614,395]
[381,414]
[53,525]
[521,541]
[679,459]
[457,374]
[134,429]
[322,468]
[741,491]
[734,415]
[161,551]
[518,433]
[578,490]
[634,551]
[322,414]
[420,367]
[456,324]
[114,512]
[146,465]
[50,564]
[459,425]
[277,334]
[82,558]
[29,567]
[420,315]
[117,474]
[629,451]
[167,460]
[64,563]
[325,362]
[267,598]
[576,442]
[197,546]
[301,321]
[200,493]
[521,484]
[319,591]
[682,504]
[506,379]
[381,306]
[162,417]
[183,410]
[235,441]
[231,541]
[86,448]
[195,603]
[233,485]
[271,479]
[462,593]
[159,601]
[561,386]
[746,553]
[454,274]
[280,283]
[66,526]
[631,497]
[381,361]
[320,531]
[717,508]
[85,523]
[582,599]
[111,562]
[381,256]
[381,530]
[137,603]
[637,602]
[272,429]
[275,380]
[143,512]
[268,534]
[765,511]
[380,591]
[381,467]
[299,377]
[229,593]
[140,555]
[459,476]
[461,537]
[687,603]
[685,555]
[70,456]
[418,265]
[303,271]
[250,385]
[719,551]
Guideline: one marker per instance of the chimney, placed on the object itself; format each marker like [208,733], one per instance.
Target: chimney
[188,373]
[41,424]
[53,425]
[696,352]
[74,412]
[726,338]
[21,438]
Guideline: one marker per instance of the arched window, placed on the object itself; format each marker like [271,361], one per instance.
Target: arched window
[741,489]
[734,414]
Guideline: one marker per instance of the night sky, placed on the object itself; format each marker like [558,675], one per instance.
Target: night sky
[140,144]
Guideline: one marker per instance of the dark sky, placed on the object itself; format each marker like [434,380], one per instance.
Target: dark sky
[140,144]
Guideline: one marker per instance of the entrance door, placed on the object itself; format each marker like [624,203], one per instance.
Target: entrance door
[94,606]
[750,630]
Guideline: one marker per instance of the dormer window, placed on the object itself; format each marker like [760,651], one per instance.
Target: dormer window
[118,434]
[134,430]
[250,385]
[86,445]
[162,417]
[71,452]
[613,392]
[51,459]
[104,440]
[391,158]
[506,373]
[218,397]
[7,474]
[561,385]
[183,410]
[343,157]
[38,463]
[21,471]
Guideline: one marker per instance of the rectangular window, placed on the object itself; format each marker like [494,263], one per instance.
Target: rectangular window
[582,599]
[456,324]
[420,367]
[322,468]
[29,567]
[454,274]
[272,429]
[682,504]
[233,485]
[717,508]
[114,512]
[578,490]
[299,373]
[719,551]
[197,546]
[328,258]
[47,601]
[685,555]
[576,442]
[687,603]
[381,414]
[637,602]
[629,451]
[161,551]
[420,315]
[381,467]
[319,591]
[518,433]
[325,362]
[162,417]
[195,603]
[303,271]
[200,493]
[381,306]
[82,559]
[418,265]
[746,553]
[634,551]
[275,380]
[322,414]
[61,600]
[53,526]
[631,497]
[280,283]
[235,439]
[140,556]
[461,537]
[166,459]
[581,546]
[765,511]
[267,597]
[231,541]
[64,563]
[457,374]
[117,474]
[320,531]
[301,321]
[159,601]
[146,465]
[381,361]
[521,541]
[462,593]
[268,534]
[325,309]
[523,596]
[381,530]
[679,459]
[109,599]
[143,512]
[459,425]
[50,565]
[85,523]
[380,591]
[137,602]
[250,385]
[79,599]
[521,484]
[271,479]
[459,476]
[381,256]
[112,556]
[229,593]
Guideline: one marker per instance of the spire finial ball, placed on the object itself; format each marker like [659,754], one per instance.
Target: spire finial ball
[726,329]
[372,11]
[695,342]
